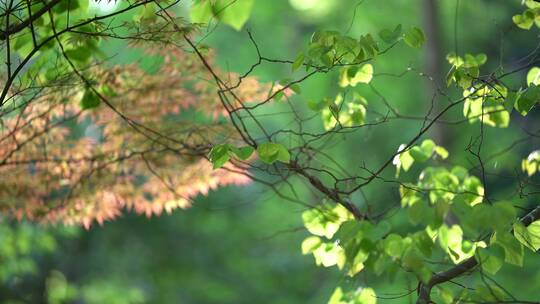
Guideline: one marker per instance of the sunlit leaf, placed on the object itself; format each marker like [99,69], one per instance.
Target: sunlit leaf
[354,75]
[310,244]
[325,220]
[524,21]
[528,236]
[366,296]
[533,76]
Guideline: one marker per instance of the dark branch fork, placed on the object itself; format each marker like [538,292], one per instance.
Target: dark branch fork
[13,29]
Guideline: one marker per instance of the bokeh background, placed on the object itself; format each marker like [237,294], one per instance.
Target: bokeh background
[243,245]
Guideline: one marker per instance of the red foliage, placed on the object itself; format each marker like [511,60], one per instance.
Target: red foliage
[60,163]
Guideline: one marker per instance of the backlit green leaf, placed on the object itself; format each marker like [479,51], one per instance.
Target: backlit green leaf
[366,296]
[524,21]
[533,76]
[528,236]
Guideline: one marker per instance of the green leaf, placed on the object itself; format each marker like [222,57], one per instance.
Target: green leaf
[389,36]
[451,76]
[328,254]
[147,14]
[524,21]
[528,236]
[336,297]
[490,258]
[270,152]
[278,95]
[319,105]
[379,231]
[481,58]
[90,99]
[201,11]
[413,260]
[528,99]
[424,243]
[310,244]
[107,91]
[442,152]
[363,75]
[420,212]
[393,245]
[325,220]
[530,164]
[474,191]
[513,249]
[352,113]
[357,263]
[450,239]
[219,155]
[415,37]
[533,76]
[382,263]
[504,213]
[23,44]
[81,54]
[296,88]
[455,60]
[446,296]
[368,47]
[351,76]
[486,105]
[406,160]
[424,151]
[234,13]
[532,3]
[464,76]
[242,153]
[366,296]
[298,62]
[472,61]
[496,217]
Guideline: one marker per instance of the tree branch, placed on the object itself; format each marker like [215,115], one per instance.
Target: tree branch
[21,26]
[424,290]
